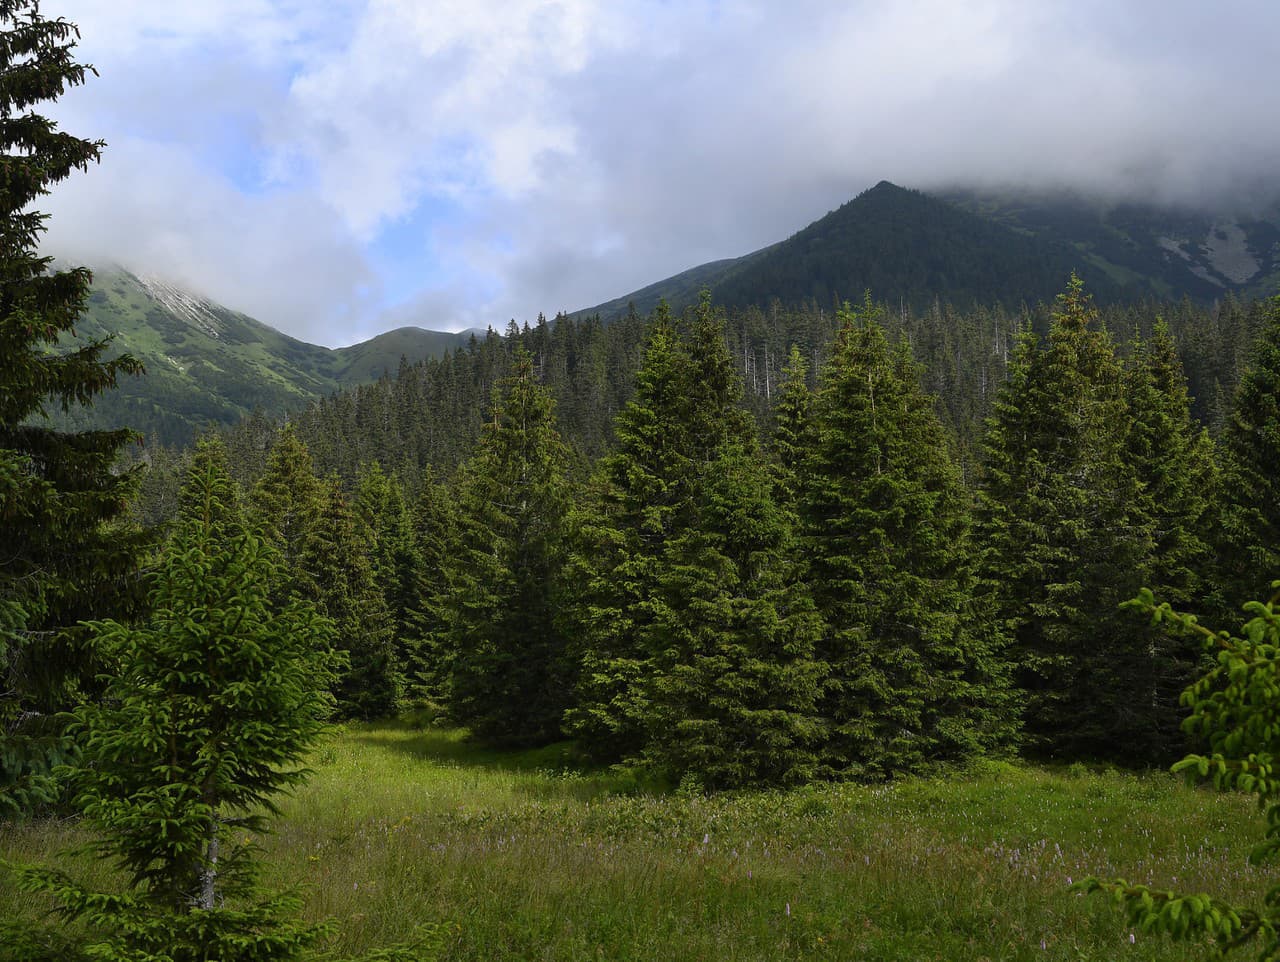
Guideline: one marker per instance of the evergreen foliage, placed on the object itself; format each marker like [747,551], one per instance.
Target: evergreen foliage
[430,414]
[212,708]
[636,497]
[286,501]
[510,675]
[68,555]
[732,694]
[1248,539]
[1066,540]
[387,518]
[435,529]
[342,584]
[915,672]
[684,409]
[1172,458]
[328,557]
[792,439]
[697,630]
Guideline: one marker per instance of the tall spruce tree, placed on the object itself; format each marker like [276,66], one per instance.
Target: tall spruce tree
[1065,539]
[792,439]
[731,699]
[287,500]
[67,554]
[217,699]
[916,673]
[636,497]
[435,531]
[327,553]
[337,575]
[388,520]
[699,631]
[1248,518]
[1172,456]
[510,674]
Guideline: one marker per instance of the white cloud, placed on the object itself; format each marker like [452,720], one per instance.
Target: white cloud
[554,153]
[284,258]
[450,98]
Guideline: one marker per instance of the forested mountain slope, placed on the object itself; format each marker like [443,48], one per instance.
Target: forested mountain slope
[903,245]
[1175,251]
[971,247]
[908,247]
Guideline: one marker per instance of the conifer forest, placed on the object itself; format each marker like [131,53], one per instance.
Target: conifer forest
[737,553]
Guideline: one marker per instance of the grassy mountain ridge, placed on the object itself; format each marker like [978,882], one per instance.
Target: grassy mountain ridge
[369,360]
[208,364]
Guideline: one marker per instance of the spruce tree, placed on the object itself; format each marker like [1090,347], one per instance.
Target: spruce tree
[792,439]
[510,675]
[388,519]
[216,701]
[1172,458]
[1248,519]
[711,402]
[286,500]
[68,555]
[435,526]
[916,676]
[635,500]
[1065,539]
[731,698]
[698,630]
[328,555]
[336,573]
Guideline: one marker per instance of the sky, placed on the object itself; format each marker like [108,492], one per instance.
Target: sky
[340,168]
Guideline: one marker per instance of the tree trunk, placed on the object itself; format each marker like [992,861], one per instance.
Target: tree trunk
[210,873]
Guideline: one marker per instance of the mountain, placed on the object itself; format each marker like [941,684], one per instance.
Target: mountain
[971,248]
[206,363]
[369,360]
[678,290]
[902,245]
[908,247]
[1175,251]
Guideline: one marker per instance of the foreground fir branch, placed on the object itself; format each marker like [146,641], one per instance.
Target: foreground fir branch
[1236,708]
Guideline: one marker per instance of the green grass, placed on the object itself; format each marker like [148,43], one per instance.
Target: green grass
[524,859]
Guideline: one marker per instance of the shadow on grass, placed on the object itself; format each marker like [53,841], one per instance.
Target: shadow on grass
[552,768]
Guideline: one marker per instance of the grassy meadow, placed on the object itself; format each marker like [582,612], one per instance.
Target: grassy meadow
[522,859]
